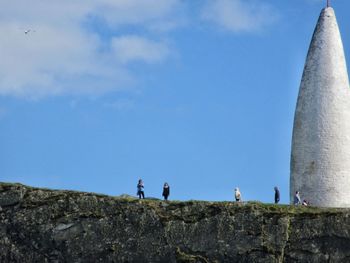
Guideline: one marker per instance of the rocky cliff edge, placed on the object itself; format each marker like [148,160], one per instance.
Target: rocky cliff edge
[42,225]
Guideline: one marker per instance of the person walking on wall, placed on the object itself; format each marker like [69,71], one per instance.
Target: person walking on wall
[297,200]
[166,191]
[277,195]
[238,195]
[140,191]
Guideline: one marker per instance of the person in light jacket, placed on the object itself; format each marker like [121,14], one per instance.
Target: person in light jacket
[297,200]
[238,195]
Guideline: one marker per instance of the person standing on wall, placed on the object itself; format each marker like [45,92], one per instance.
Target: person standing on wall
[238,195]
[140,191]
[166,191]
[277,195]
[297,200]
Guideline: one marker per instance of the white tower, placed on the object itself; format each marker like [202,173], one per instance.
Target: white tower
[320,161]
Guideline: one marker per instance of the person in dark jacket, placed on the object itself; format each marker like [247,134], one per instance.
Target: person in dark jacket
[277,195]
[140,191]
[166,191]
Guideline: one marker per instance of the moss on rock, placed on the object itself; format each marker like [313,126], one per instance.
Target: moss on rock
[43,225]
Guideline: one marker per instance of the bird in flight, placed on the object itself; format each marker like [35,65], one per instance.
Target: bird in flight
[27,31]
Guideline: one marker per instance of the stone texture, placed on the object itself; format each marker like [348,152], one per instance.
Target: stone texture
[65,226]
[320,160]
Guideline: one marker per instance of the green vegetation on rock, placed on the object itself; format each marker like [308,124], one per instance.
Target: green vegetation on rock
[42,225]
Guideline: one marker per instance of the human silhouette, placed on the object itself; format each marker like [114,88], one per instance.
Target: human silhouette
[238,195]
[140,191]
[277,195]
[297,200]
[166,191]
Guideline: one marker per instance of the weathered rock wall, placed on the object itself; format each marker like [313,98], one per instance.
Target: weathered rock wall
[40,225]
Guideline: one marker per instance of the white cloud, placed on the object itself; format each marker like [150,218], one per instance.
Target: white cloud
[137,11]
[135,48]
[32,63]
[239,15]
[67,55]
[63,57]
[67,11]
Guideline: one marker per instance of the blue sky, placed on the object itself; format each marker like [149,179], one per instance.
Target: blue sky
[196,93]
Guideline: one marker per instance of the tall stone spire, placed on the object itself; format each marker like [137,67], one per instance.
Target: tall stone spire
[320,160]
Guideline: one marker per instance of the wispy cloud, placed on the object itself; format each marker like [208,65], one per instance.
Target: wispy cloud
[66,54]
[63,57]
[239,15]
[146,12]
[135,48]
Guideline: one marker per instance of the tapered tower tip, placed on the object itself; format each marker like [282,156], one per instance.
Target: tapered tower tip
[320,159]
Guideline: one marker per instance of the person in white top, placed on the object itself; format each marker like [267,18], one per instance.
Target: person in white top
[238,195]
